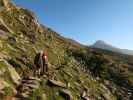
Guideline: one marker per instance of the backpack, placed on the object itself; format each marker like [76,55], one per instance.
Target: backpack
[37,59]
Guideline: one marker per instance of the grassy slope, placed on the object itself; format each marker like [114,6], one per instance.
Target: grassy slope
[26,38]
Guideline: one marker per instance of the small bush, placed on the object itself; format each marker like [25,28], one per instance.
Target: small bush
[8,91]
[14,63]
[37,95]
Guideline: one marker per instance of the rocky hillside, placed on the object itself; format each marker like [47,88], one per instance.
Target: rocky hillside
[76,72]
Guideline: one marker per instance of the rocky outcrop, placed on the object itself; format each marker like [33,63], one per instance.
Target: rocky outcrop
[4,56]
[3,84]
[13,75]
[7,4]
[6,90]
[3,29]
[7,71]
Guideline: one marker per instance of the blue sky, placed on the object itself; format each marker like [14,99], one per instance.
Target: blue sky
[87,20]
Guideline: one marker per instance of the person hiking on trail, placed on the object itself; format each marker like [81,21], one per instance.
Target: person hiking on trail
[38,63]
[45,62]
[41,63]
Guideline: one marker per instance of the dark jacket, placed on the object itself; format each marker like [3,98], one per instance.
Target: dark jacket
[38,61]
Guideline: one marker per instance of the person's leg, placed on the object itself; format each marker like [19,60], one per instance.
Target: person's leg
[41,69]
[46,65]
[35,70]
[44,68]
[39,72]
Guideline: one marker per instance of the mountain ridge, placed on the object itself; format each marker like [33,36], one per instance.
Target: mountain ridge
[103,45]
[76,72]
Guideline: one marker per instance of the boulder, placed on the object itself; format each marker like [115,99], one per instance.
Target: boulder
[44,97]
[3,34]
[13,74]
[66,94]
[8,72]
[85,96]
[3,84]
[4,56]
[34,78]
[57,83]
[32,86]
[6,90]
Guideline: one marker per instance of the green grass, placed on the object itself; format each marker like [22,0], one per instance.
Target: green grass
[66,57]
[8,91]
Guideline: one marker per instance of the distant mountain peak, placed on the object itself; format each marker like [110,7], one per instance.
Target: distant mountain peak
[103,45]
[99,42]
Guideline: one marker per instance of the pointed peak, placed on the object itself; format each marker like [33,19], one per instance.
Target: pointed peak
[100,42]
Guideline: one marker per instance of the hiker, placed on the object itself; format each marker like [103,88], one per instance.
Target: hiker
[45,62]
[41,63]
[38,63]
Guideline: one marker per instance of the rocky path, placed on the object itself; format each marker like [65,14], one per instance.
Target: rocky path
[27,87]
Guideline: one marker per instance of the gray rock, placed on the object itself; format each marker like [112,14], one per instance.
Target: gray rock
[57,83]
[31,86]
[12,74]
[3,84]
[66,94]
[85,96]
[27,86]
[4,56]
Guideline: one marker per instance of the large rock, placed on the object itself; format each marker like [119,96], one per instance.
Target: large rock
[8,72]
[3,84]
[4,56]
[85,96]
[57,83]
[66,94]
[44,97]
[6,90]
[28,86]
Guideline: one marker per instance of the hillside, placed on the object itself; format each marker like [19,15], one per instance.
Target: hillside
[102,45]
[76,72]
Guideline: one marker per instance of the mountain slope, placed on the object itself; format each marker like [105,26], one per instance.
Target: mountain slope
[102,45]
[75,71]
